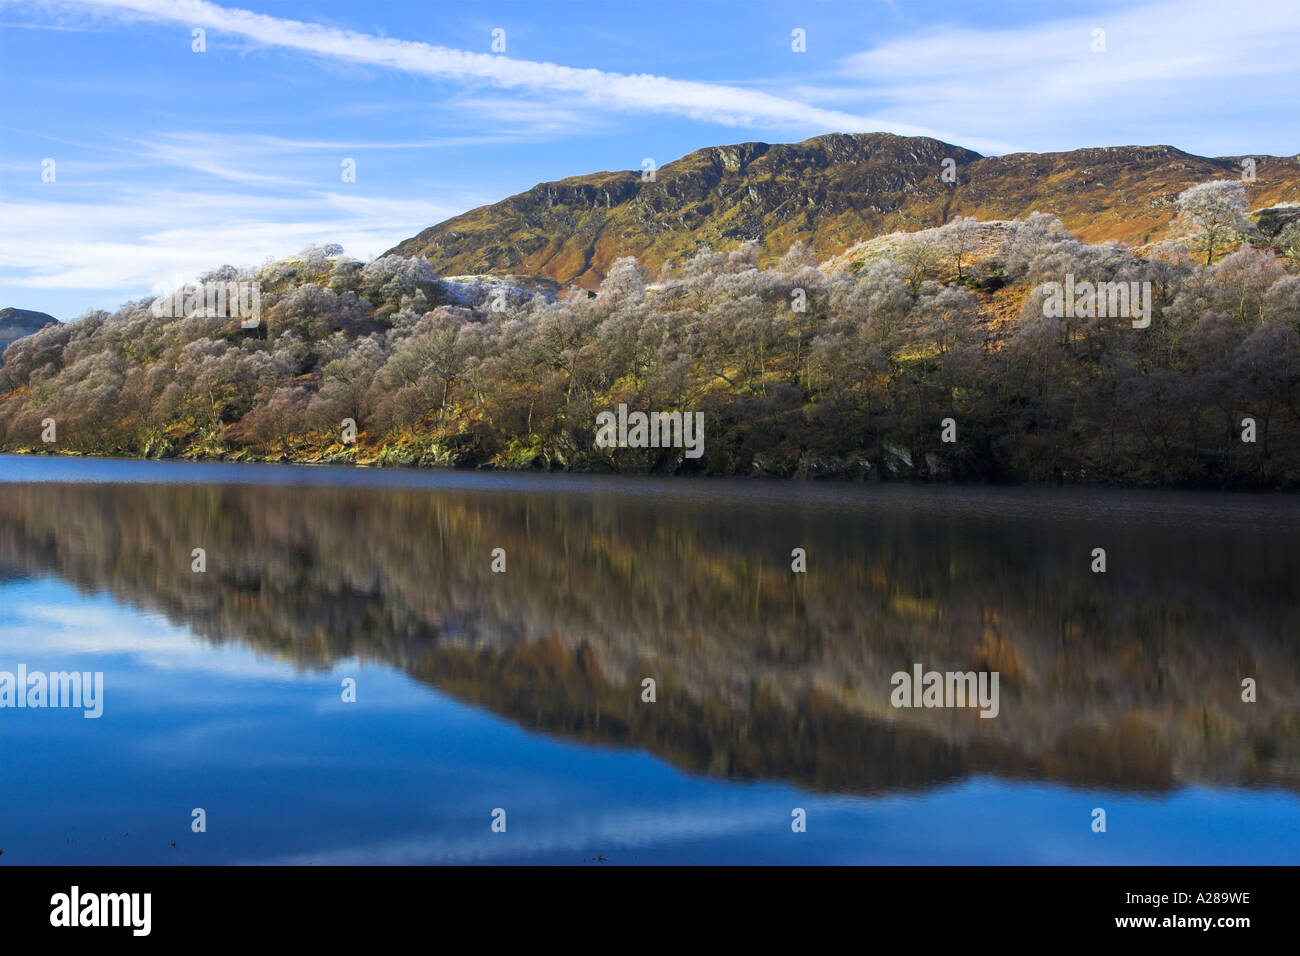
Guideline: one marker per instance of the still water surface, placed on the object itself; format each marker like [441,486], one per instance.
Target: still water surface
[476,690]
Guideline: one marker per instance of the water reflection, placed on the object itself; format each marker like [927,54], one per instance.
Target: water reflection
[1129,679]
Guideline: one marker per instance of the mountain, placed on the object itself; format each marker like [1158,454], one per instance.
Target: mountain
[15,323]
[832,191]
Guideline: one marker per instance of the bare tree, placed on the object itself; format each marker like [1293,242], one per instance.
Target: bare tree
[959,240]
[919,255]
[1217,210]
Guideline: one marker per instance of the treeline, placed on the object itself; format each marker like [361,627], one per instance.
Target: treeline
[799,371]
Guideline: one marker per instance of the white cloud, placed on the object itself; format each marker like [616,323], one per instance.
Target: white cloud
[993,89]
[625,829]
[141,237]
[710,102]
[60,630]
[1162,64]
[123,239]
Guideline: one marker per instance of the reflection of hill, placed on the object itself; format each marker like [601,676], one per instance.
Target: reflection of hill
[1128,679]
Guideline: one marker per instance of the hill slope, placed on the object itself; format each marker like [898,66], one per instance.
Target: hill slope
[832,191]
[15,323]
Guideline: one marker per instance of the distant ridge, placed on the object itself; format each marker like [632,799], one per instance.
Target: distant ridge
[833,191]
[15,323]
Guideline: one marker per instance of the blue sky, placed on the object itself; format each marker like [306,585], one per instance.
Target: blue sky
[168,162]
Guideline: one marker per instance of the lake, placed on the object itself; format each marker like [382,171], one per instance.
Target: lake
[347,678]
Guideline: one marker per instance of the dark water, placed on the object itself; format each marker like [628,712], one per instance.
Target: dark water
[522,690]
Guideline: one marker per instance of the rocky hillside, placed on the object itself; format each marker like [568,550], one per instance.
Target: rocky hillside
[832,191]
[15,323]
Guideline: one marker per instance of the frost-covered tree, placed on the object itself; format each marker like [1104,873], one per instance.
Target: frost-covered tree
[1217,212]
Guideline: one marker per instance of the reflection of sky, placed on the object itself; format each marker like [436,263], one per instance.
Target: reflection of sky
[289,773]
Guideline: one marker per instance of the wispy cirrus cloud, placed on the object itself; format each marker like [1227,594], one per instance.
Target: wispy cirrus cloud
[141,237]
[641,93]
[622,828]
[258,202]
[1165,66]
[166,168]
[169,215]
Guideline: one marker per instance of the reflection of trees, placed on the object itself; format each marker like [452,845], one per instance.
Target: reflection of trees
[1128,679]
